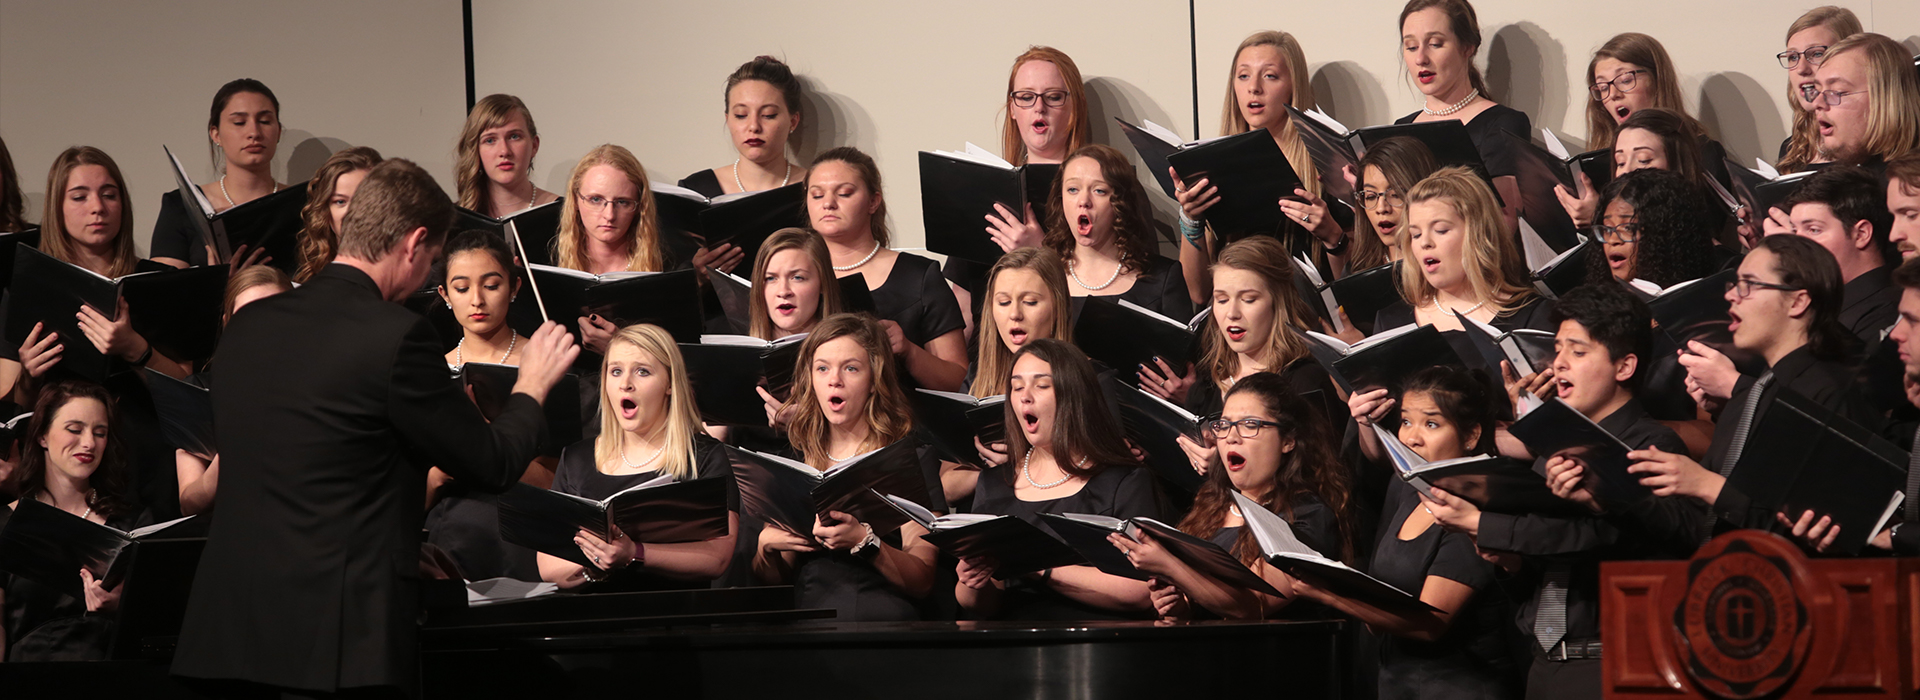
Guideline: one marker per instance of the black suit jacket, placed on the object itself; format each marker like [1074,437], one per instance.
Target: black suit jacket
[330,405]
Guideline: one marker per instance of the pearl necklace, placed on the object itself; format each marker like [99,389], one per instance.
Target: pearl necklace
[1083,284]
[1235,510]
[837,460]
[223,190]
[644,462]
[863,261]
[743,188]
[460,359]
[1457,106]
[1064,476]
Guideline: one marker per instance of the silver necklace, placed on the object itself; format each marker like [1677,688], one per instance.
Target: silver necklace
[837,460]
[1064,476]
[644,462]
[1470,309]
[223,190]
[743,188]
[1457,106]
[460,359]
[1083,284]
[863,261]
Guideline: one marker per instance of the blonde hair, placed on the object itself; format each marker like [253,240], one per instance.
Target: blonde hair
[1233,122]
[1804,145]
[1079,131]
[470,175]
[1265,257]
[318,240]
[55,240]
[683,417]
[760,324]
[1492,263]
[993,360]
[889,417]
[643,241]
[1893,95]
[1647,53]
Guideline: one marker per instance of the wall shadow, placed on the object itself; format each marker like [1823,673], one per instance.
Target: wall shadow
[1111,98]
[830,120]
[1743,115]
[1527,70]
[309,153]
[1350,94]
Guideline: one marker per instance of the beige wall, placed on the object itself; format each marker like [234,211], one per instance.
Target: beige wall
[128,77]
[889,77]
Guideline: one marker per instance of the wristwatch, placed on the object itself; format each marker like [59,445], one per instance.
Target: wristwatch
[869,547]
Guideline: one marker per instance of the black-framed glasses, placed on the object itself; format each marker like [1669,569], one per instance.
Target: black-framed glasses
[1370,201]
[1744,287]
[1812,93]
[1026,98]
[1248,427]
[1625,83]
[1628,232]
[623,205]
[1790,58]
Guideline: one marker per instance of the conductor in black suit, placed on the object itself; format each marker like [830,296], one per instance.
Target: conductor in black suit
[330,403]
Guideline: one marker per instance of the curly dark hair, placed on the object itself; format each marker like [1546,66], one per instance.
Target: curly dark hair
[1132,211]
[1676,229]
[1313,468]
[109,480]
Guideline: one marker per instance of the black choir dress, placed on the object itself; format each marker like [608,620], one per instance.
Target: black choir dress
[44,624]
[1162,290]
[174,235]
[851,586]
[917,297]
[1120,491]
[707,183]
[577,475]
[1499,155]
[1536,314]
[1470,660]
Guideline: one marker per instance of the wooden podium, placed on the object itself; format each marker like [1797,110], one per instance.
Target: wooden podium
[1750,616]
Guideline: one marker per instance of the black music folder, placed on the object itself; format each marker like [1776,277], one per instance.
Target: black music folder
[661,510]
[535,226]
[177,311]
[1565,270]
[1696,310]
[1016,546]
[492,384]
[9,242]
[272,222]
[1528,350]
[1490,482]
[1088,534]
[670,300]
[186,413]
[958,191]
[1758,192]
[1384,359]
[1447,140]
[1364,294]
[50,546]
[1155,425]
[744,219]
[1801,456]
[791,495]
[1555,429]
[725,370]
[1287,553]
[1251,172]
[1327,146]
[1124,335]
[951,421]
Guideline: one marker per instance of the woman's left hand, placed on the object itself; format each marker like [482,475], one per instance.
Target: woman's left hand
[113,338]
[1312,214]
[723,257]
[1453,512]
[840,531]
[609,556]
[98,597]
[1168,602]
[896,338]
[1145,553]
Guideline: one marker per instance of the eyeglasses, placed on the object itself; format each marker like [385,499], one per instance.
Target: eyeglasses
[1623,234]
[1790,58]
[1832,98]
[1370,201]
[598,202]
[1743,288]
[1625,83]
[1249,427]
[1025,98]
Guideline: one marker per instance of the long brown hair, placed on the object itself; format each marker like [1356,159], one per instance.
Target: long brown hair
[1465,25]
[889,416]
[1493,263]
[1681,145]
[318,240]
[1312,468]
[470,175]
[1803,145]
[869,172]
[13,204]
[643,240]
[760,325]
[1644,52]
[1405,161]
[1233,122]
[1078,128]
[109,480]
[1132,211]
[1083,428]
[1265,257]
[993,360]
[54,238]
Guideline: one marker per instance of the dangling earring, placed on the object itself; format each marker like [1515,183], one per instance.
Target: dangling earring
[449,304]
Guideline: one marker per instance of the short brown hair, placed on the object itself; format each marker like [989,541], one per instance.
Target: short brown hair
[396,198]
